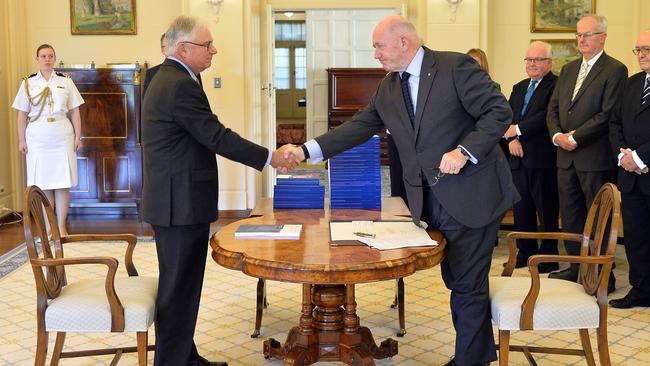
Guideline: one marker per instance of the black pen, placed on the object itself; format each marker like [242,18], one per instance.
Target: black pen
[364,235]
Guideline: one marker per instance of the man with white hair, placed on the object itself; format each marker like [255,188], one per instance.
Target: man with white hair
[578,117]
[532,155]
[180,137]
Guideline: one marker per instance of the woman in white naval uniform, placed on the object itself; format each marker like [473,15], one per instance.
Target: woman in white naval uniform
[46,135]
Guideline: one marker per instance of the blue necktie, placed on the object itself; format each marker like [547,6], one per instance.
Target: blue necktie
[529,94]
[646,91]
[406,93]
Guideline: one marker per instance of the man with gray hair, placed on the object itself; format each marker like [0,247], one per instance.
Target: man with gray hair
[180,137]
[532,155]
[578,117]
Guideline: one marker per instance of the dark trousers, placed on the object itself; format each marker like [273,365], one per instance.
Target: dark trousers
[577,190]
[396,176]
[182,252]
[539,198]
[465,271]
[636,220]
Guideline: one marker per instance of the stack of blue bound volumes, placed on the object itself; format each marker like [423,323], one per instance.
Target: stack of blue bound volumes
[298,192]
[355,177]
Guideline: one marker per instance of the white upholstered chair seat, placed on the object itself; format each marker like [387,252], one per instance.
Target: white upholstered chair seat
[561,304]
[83,307]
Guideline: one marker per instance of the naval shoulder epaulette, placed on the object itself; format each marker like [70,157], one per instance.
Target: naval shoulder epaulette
[63,74]
[29,76]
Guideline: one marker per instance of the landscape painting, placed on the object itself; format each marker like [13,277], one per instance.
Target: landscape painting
[559,15]
[102,17]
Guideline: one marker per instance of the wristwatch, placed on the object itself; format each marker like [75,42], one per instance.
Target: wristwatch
[465,153]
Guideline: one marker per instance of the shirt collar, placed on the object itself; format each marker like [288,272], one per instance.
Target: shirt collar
[186,67]
[593,59]
[415,66]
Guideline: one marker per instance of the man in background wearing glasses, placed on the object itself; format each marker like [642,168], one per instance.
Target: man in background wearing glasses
[532,155]
[630,136]
[578,116]
[446,118]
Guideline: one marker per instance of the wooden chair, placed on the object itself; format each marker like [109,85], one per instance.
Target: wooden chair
[106,304]
[262,304]
[523,303]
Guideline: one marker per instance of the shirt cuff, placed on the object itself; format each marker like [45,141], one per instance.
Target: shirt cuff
[268,159]
[315,152]
[553,139]
[620,156]
[518,130]
[468,154]
[638,160]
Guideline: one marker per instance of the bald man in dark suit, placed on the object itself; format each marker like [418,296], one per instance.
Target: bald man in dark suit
[446,117]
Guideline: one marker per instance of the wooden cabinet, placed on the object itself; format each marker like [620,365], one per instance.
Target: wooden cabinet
[349,90]
[109,161]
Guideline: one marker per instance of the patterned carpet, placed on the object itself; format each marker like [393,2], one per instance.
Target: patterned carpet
[228,310]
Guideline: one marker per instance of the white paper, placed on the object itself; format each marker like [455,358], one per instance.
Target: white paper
[388,234]
[289,231]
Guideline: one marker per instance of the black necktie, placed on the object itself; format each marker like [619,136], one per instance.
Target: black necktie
[646,91]
[406,93]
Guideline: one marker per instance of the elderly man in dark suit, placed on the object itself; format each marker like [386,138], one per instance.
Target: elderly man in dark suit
[532,155]
[442,110]
[629,133]
[180,138]
[578,117]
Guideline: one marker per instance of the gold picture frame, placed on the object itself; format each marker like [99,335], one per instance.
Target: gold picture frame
[563,52]
[103,17]
[559,16]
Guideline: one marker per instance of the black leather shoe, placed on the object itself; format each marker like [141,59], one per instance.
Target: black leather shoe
[201,361]
[453,363]
[566,274]
[547,267]
[630,300]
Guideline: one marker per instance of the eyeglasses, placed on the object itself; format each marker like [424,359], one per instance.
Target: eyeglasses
[537,60]
[587,34]
[207,45]
[645,50]
[433,176]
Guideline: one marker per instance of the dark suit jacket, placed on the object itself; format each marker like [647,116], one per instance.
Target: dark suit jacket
[180,137]
[539,151]
[148,77]
[630,128]
[457,104]
[588,114]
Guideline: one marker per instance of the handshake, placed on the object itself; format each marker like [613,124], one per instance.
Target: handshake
[287,157]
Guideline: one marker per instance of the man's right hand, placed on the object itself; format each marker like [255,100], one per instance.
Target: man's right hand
[287,157]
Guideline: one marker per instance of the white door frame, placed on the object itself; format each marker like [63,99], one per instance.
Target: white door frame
[267,68]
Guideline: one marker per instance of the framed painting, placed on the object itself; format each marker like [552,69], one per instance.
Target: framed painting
[563,52]
[102,17]
[559,15]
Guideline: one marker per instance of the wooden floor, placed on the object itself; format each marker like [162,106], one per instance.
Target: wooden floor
[12,235]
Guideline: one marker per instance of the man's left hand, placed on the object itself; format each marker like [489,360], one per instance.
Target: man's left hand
[453,161]
[511,132]
[515,148]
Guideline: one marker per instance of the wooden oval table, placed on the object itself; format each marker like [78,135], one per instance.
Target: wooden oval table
[329,328]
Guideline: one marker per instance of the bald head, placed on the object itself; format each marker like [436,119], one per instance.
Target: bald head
[396,42]
[642,50]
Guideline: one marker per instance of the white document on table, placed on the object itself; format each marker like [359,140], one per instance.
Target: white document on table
[381,234]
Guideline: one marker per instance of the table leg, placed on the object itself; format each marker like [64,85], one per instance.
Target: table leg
[329,330]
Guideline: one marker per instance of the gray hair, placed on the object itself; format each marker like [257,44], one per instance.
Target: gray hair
[548,49]
[183,28]
[601,21]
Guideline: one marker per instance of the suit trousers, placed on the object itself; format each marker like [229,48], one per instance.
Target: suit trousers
[577,190]
[636,218]
[182,252]
[539,198]
[465,270]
